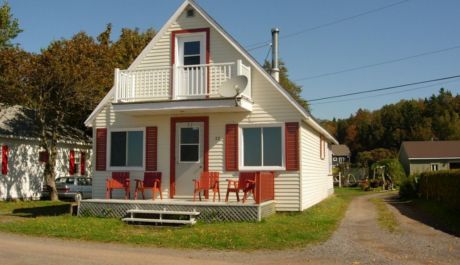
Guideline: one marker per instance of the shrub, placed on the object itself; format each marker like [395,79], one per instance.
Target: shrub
[408,188]
[443,186]
[394,169]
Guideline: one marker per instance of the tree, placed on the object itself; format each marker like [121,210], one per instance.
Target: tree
[15,67]
[9,26]
[130,44]
[294,89]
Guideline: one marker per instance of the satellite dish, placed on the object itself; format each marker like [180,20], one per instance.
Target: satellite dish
[233,86]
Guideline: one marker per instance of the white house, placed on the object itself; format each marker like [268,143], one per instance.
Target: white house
[22,160]
[171,111]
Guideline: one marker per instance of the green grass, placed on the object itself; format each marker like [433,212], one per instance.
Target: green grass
[386,218]
[446,216]
[281,231]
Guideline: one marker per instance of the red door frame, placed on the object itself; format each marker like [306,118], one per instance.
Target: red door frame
[172,150]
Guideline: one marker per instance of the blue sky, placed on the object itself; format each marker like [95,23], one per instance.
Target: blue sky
[406,29]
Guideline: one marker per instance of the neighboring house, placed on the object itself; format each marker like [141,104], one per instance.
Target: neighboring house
[423,156]
[168,112]
[340,154]
[22,160]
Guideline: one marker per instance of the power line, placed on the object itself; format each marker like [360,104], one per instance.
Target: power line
[385,88]
[379,63]
[382,94]
[262,44]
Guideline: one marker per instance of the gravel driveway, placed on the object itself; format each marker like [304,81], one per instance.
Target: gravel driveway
[358,240]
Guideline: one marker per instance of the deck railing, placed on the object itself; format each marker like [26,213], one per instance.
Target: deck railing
[194,81]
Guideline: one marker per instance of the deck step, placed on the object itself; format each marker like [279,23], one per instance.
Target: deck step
[159,216]
[161,221]
[193,213]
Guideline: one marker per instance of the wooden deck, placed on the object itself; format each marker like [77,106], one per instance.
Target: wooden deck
[209,211]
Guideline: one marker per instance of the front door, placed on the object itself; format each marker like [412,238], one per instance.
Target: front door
[189,156]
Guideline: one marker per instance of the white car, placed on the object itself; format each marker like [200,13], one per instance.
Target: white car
[74,188]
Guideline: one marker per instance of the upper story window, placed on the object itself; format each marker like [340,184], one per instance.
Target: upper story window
[192,53]
[262,148]
[434,167]
[127,149]
[191,49]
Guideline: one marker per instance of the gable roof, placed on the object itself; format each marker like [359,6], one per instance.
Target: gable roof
[431,149]
[18,122]
[307,116]
[340,150]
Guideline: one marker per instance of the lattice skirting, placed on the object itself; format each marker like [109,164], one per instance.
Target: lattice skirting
[209,212]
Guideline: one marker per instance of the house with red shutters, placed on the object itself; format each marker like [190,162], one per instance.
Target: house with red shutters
[22,158]
[195,100]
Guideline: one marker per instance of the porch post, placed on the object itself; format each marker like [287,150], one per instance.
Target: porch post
[117,87]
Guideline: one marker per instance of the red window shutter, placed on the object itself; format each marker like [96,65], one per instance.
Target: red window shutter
[43,156]
[231,147]
[72,162]
[151,145]
[292,145]
[4,159]
[101,149]
[82,163]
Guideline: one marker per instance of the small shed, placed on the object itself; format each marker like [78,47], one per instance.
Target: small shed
[340,154]
[423,156]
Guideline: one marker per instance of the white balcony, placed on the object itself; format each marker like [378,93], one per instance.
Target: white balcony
[178,82]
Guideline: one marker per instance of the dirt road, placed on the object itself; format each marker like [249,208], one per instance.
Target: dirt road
[358,240]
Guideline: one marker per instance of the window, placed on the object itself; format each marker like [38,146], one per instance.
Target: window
[77,163]
[262,147]
[322,147]
[190,144]
[192,52]
[127,149]
[434,167]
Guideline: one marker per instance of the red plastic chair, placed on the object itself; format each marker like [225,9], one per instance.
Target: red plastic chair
[246,182]
[152,180]
[119,181]
[208,181]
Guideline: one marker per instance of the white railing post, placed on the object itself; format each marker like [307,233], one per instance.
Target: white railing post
[174,76]
[239,67]
[115,83]
[133,86]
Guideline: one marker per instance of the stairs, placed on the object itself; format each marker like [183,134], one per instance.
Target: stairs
[161,216]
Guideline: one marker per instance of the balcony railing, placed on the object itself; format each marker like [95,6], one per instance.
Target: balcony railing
[188,82]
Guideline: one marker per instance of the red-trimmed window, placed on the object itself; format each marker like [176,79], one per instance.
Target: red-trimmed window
[262,147]
[82,163]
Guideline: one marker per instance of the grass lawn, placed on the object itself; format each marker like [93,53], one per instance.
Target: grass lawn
[280,231]
[386,218]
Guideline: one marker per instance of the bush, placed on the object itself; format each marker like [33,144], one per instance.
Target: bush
[442,186]
[394,169]
[408,188]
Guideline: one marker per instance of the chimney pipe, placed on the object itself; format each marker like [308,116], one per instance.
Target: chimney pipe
[275,72]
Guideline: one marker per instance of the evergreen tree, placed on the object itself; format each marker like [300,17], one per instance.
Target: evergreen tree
[9,26]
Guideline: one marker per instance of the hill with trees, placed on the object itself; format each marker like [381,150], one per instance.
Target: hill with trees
[375,135]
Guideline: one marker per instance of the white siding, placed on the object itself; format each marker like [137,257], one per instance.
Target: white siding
[25,173]
[316,178]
